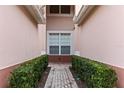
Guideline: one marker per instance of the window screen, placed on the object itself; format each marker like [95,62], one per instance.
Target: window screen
[54,49]
[54,39]
[54,43]
[65,49]
[65,9]
[65,39]
[54,9]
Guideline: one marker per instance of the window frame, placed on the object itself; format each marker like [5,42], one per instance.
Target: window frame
[71,43]
[60,14]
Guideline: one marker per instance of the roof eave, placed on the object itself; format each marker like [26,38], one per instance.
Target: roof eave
[36,13]
[84,11]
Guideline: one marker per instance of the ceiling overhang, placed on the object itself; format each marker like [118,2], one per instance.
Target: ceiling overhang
[84,11]
[38,12]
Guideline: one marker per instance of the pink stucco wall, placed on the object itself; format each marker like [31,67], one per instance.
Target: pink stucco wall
[42,37]
[19,39]
[102,37]
[76,38]
[4,76]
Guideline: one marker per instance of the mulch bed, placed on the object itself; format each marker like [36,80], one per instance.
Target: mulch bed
[79,82]
[44,78]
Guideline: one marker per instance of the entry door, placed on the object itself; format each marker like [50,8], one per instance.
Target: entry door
[59,46]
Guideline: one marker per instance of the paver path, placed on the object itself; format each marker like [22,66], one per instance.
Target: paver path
[60,77]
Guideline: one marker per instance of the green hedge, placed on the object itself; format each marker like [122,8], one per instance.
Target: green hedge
[28,74]
[93,73]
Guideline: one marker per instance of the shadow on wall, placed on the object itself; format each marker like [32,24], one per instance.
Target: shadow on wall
[28,14]
[90,14]
[4,74]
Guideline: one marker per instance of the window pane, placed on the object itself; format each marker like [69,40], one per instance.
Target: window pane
[65,49]
[54,8]
[54,50]
[65,39]
[54,39]
[65,9]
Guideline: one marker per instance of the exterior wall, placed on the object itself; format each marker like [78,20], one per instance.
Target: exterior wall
[120,74]
[102,37]
[59,23]
[4,76]
[76,42]
[19,39]
[42,37]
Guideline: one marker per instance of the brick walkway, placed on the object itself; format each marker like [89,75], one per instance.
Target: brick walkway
[60,77]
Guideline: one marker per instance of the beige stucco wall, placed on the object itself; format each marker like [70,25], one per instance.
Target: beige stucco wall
[19,39]
[59,23]
[102,35]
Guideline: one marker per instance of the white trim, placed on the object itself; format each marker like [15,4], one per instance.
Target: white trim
[106,63]
[71,45]
[59,45]
[37,12]
[84,11]
[20,62]
[77,53]
[5,67]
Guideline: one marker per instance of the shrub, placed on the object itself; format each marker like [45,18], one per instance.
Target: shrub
[93,73]
[28,74]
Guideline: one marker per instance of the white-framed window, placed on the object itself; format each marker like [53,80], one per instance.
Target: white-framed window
[60,10]
[59,43]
